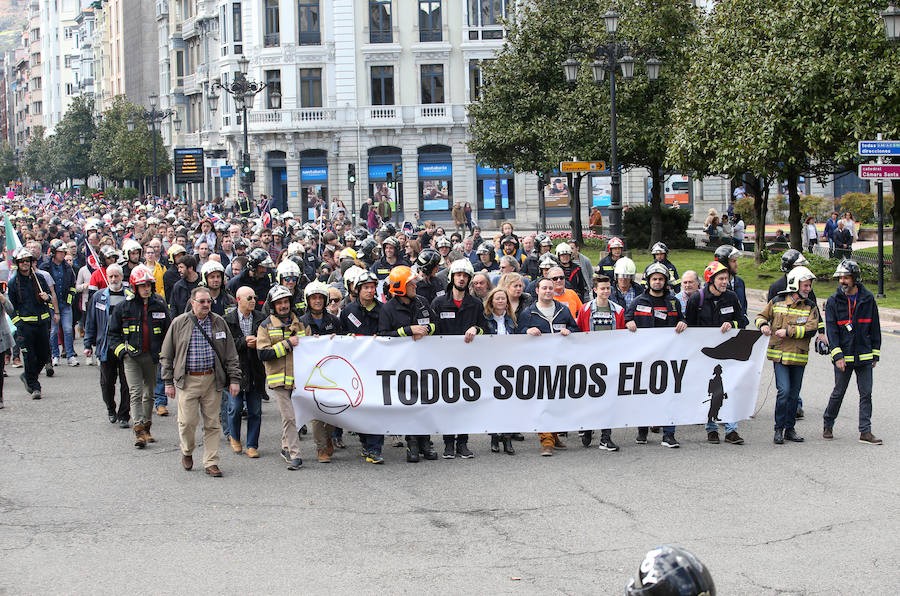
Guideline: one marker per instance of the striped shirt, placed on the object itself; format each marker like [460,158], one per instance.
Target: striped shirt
[200,355]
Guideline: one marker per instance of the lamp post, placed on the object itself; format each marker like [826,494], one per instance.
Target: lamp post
[498,200]
[608,58]
[891,19]
[243,91]
[153,118]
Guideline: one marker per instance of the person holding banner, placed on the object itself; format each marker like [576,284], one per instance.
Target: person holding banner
[601,315]
[500,317]
[790,320]
[459,313]
[547,315]
[408,315]
[717,306]
[656,307]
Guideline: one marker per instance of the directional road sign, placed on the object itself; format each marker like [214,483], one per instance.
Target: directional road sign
[875,171]
[879,147]
[582,166]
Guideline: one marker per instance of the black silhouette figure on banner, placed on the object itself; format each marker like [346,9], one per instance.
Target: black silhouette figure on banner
[739,347]
[716,395]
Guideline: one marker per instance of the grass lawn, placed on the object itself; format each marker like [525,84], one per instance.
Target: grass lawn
[750,273]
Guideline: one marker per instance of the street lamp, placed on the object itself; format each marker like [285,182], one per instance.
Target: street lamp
[243,91]
[154,117]
[81,139]
[891,18]
[609,57]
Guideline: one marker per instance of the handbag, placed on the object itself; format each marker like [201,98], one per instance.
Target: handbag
[215,349]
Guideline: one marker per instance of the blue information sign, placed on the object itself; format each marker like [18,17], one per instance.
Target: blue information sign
[879,147]
[226,172]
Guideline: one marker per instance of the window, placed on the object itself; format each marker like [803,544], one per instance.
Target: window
[68,61]
[382,85]
[476,78]
[308,22]
[380,21]
[432,83]
[237,28]
[71,88]
[311,87]
[273,25]
[429,20]
[486,13]
[273,81]
[179,68]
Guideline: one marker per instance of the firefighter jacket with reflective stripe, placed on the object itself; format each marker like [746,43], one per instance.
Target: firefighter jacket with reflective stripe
[65,294]
[381,268]
[779,285]
[854,337]
[127,321]
[396,318]
[23,293]
[275,350]
[648,311]
[327,323]
[358,320]
[799,317]
[705,309]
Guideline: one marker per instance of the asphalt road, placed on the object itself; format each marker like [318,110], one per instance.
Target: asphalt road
[83,512]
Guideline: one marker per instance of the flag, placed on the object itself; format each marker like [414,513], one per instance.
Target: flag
[266,220]
[12,239]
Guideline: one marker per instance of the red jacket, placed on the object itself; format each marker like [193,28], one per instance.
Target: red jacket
[587,311]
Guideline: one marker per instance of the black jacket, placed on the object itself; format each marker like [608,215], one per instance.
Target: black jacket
[643,311]
[381,268]
[575,279]
[397,318]
[357,320]
[126,323]
[170,278]
[429,289]
[860,344]
[180,295]
[533,317]
[66,293]
[254,377]
[260,286]
[330,323]
[23,294]
[704,309]
[456,321]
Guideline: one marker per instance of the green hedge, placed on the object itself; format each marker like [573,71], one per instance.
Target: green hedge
[636,226]
[116,193]
[862,206]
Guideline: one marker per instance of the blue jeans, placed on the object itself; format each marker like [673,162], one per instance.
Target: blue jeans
[863,385]
[372,443]
[65,319]
[729,427]
[254,416]
[788,380]
[159,392]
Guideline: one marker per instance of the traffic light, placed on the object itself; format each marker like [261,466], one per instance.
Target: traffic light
[390,180]
[398,173]
[245,164]
[351,175]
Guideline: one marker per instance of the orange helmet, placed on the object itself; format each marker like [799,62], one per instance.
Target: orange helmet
[712,269]
[141,275]
[398,278]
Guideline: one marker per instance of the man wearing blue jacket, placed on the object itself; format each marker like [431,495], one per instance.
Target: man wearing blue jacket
[96,341]
[854,334]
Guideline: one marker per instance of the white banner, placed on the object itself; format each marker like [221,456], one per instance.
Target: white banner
[519,383]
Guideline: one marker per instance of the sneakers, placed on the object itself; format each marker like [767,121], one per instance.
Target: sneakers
[293,463]
[495,443]
[374,458]
[339,443]
[252,452]
[449,451]
[791,435]
[606,443]
[641,438]
[55,361]
[713,437]
[546,450]
[17,363]
[734,438]
[870,439]
[73,362]
[779,437]
[49,369]
[162,411]
[235,445]
[670,441]
[36,394]
[323,456]
[462,450]
[827,433]
[412,451]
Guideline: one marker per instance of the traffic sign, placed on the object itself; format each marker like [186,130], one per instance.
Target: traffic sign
[188,165]
[226,172]
[875,171]
[581,166]
[879,147]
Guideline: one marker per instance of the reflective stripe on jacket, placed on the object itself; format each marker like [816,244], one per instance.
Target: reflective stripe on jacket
[799,318]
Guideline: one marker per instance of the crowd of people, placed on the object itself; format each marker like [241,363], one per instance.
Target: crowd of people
[206,308]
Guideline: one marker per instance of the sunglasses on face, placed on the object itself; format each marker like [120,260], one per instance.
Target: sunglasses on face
[290,278]
[557,278]
[251,298]
[204,301]
[334,300]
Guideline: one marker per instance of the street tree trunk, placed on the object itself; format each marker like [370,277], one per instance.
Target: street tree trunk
[794,212]
[656,200]
[760,209]
[895,234]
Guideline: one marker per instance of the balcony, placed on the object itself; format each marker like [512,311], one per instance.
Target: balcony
[162,9]
[189,28]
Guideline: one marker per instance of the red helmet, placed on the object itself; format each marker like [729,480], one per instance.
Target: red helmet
[712,270]
[614,242]
[141,275]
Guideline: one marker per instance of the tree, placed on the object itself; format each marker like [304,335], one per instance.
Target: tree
[37,161]
[72,158]
[8,169]
[528,117]
[119,154]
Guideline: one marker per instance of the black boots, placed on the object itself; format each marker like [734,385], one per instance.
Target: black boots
[412,449]
[507,445]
